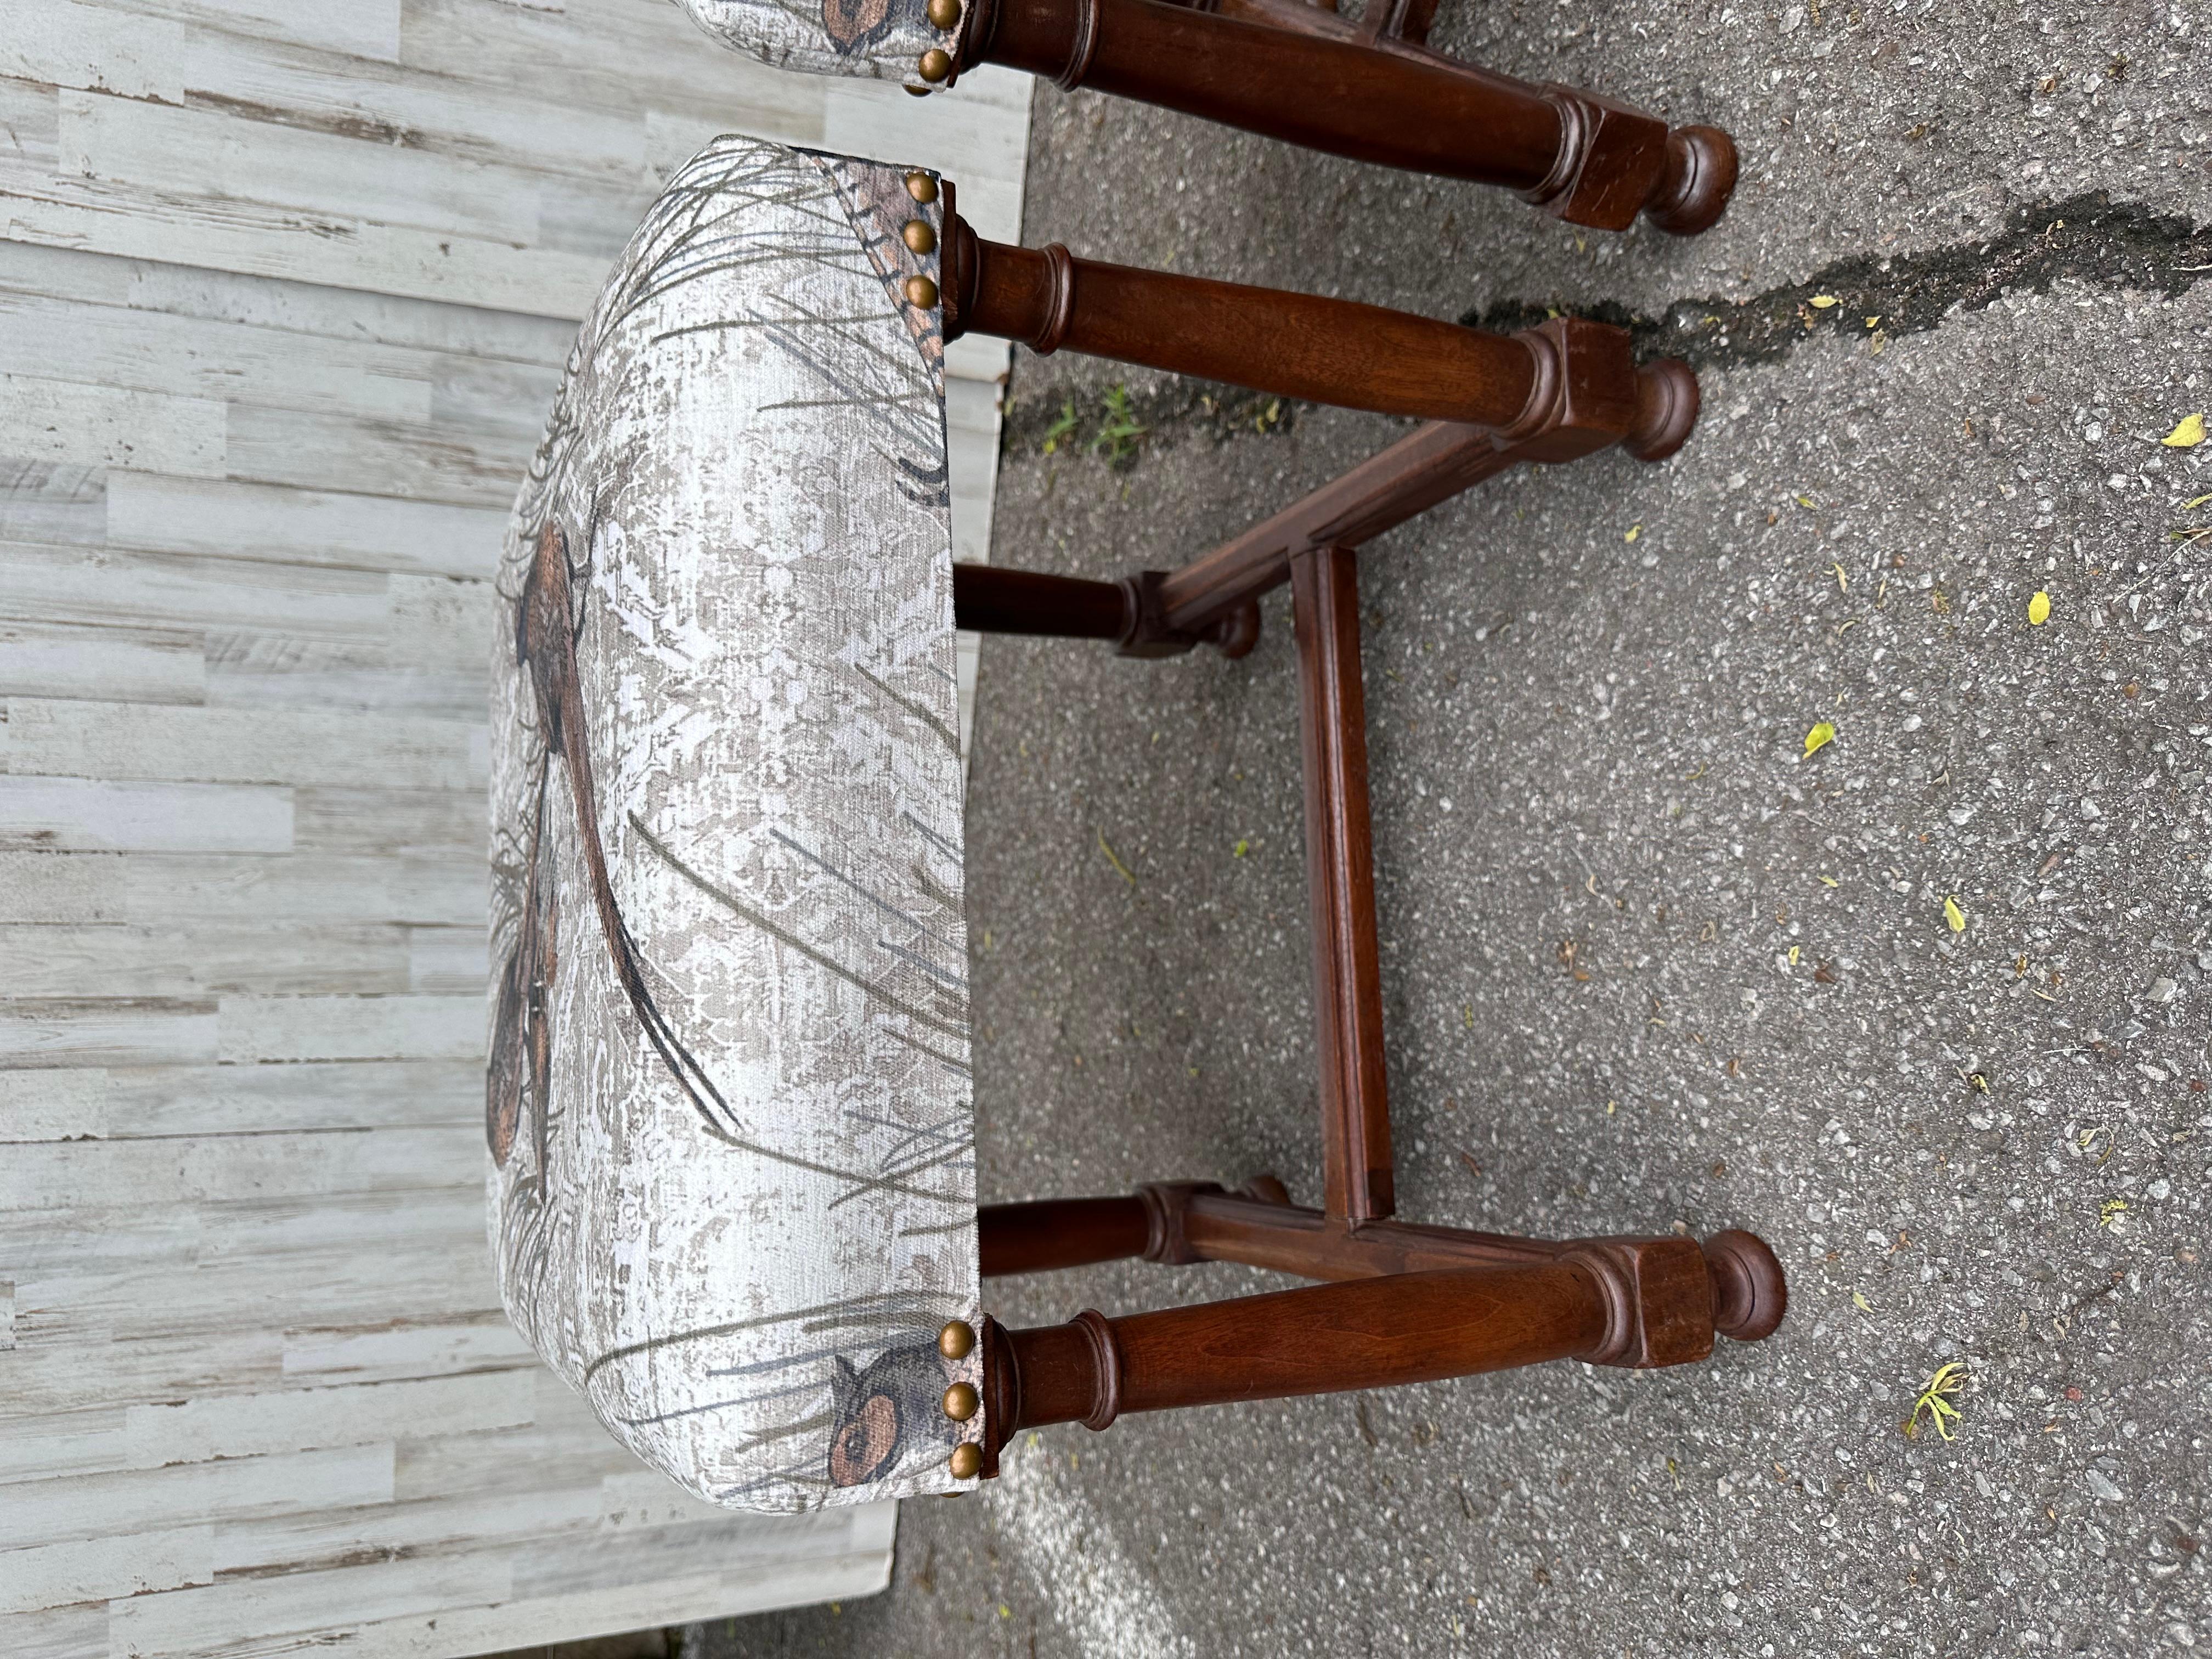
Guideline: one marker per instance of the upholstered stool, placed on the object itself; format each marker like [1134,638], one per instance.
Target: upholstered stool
[1371,90]
[728,1104]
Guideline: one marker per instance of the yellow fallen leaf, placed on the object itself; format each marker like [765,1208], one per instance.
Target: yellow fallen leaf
[2187,434]
[1934,1401]
[1859,1301]
[2109,1213]
[1120,868]
[1874,322]
[1820,738]
[1794,950]
[2190,507]
[2038,609]
[1842,582]
[1822,302]
[1830,881]
[1634,530]
[1240,849]
[1955,914]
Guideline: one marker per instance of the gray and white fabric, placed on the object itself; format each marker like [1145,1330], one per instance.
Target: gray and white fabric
[881,39]
[732,1182]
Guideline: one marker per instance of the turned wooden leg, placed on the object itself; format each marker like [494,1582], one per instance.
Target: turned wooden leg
[1370,92]
[1291,345]
[1552,394]
[1319,1339]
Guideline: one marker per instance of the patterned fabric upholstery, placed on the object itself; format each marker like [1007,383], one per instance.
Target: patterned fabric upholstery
[882,39]
[732,1182]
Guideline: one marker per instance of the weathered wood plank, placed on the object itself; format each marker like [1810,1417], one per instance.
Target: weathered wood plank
[154,888]
[519,1522]
[128,664]
[46,420]
[418,823]
[265,671]
[55,738]
[232,519]
[448,961]
[254,240]
[79,815]
[78,1631]
[97,1102]
[108,1031]
[481,1341]
[184,1492]
[64,1104]
[202,1298]
[99,48]
[402,1094]
[416,461]
[449,333]
[88,1570]
[362,28]
[66,339]
[51,500]
[49,584]
[57,1377]
[860,1566]
[43,886]
[118,1174]
[182,154]
[260,1029]
[204,959]
[242,1615]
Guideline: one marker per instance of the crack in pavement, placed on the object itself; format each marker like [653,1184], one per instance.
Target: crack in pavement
[2090,237]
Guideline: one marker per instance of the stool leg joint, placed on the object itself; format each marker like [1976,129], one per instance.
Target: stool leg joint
[1147,632]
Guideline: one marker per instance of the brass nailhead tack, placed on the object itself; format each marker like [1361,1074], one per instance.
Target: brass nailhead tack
[958,1340]
[918,236]
[936,63]
[966,1461]
[921,291]
[945,14]
[921,187]
[960,1401]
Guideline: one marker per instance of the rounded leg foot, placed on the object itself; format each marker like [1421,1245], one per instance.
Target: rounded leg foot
[1700,177]
[1666,409]
[1750,1295]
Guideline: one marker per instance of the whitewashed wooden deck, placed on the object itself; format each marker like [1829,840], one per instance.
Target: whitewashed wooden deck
[284,288]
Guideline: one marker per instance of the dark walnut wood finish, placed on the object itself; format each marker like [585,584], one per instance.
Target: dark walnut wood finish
[1395,1301]
[1371,91]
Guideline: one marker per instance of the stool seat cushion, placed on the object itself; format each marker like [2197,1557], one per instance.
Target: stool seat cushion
[879,40]
[731,1134]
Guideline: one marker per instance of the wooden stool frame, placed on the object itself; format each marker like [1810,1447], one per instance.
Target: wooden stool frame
[1372,91]
[1406,1303]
